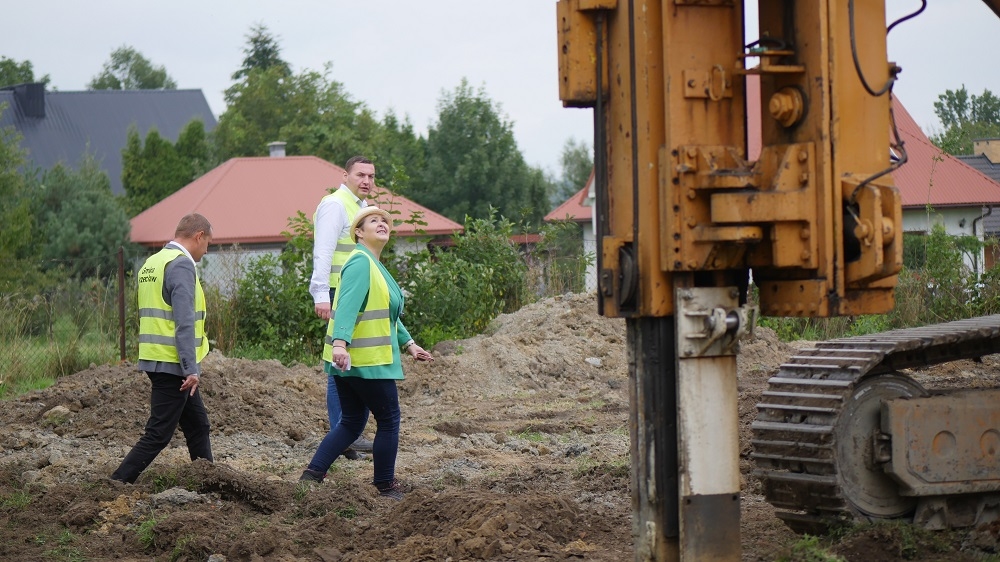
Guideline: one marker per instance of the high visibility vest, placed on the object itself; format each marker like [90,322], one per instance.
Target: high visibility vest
[371,342]
[345,245]
[156,317]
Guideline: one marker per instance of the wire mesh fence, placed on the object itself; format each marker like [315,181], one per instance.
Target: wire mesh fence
[66,326]
[72,323]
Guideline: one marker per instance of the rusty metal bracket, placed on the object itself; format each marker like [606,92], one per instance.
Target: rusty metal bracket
[714,84]
[878,221]
[710,323]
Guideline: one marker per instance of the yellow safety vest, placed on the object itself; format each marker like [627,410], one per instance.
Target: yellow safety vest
[371,342]
[156,317]
[345,245]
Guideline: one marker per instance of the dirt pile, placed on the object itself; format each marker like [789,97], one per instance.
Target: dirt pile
[515,443]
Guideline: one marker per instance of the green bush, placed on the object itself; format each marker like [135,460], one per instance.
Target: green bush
[487,242]
[456,293]
[274,314]
[448,297]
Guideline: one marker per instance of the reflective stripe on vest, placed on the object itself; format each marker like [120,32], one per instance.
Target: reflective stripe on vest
[345,245]
[371,342]
[156,317]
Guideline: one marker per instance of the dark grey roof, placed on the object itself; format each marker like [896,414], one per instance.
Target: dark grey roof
[65,124]
[981,163]
[991,222]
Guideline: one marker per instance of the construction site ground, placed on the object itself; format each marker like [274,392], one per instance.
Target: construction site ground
[515,443]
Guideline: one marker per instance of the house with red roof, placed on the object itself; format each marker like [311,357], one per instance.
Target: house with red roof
[941,188]
[580,209]
[985,158]
[249,202]
[935,187]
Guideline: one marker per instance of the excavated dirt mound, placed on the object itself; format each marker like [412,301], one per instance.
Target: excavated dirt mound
[515,444]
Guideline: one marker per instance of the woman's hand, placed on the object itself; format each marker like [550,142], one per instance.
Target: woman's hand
[419,354]
[341,358]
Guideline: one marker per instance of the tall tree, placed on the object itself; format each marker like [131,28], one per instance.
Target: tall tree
[398,153]
[325,121]
[80,221]
[262,52]
[966,118]
[577,162]
[16,216]
[474,164]
[13,72]
[194,150]
[127,69]
[156,169]
[310,112]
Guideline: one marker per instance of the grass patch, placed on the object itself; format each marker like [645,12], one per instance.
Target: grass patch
[17,500]
[586,466]
[146,532]
[180,547]
[64,549]
[301,491]
[251,524]
[164,481]
[809,549]
[909,541]
[348,512]
[532,436]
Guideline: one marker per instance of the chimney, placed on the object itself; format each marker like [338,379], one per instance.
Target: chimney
[277,149]
[990,148]
[30,99]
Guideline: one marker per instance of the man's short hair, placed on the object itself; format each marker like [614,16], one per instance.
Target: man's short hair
[191,225]
[356,160]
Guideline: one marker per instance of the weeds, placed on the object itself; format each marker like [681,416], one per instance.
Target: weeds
[146,532]
[180,547]
[348,512]
[583,466]
[532,436]
[17,500]
[165,477]
[301,491]
[809,549]
[64,550]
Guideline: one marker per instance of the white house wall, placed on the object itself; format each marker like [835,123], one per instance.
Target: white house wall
[224,268]
[590,247]
[957,221]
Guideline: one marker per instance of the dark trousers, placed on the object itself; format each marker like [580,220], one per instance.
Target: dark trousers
[168,408]
[357,397]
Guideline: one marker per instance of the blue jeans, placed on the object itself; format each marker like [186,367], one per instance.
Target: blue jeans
[357,397]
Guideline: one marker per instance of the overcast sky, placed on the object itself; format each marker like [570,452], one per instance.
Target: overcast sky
[402,54]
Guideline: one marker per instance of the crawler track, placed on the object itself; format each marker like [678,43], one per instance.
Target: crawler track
[802,427]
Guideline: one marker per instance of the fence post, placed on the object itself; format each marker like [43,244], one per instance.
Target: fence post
[121,301]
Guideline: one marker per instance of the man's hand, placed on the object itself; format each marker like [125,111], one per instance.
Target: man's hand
[190,383]
[323,310]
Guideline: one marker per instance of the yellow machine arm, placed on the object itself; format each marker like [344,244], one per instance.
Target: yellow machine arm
[815,217]
[684,214]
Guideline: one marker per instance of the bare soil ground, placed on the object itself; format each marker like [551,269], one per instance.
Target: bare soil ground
[515,443]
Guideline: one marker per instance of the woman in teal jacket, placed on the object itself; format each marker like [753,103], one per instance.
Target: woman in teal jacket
[362,353]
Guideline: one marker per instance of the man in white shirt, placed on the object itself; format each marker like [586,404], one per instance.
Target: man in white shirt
[332,244]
